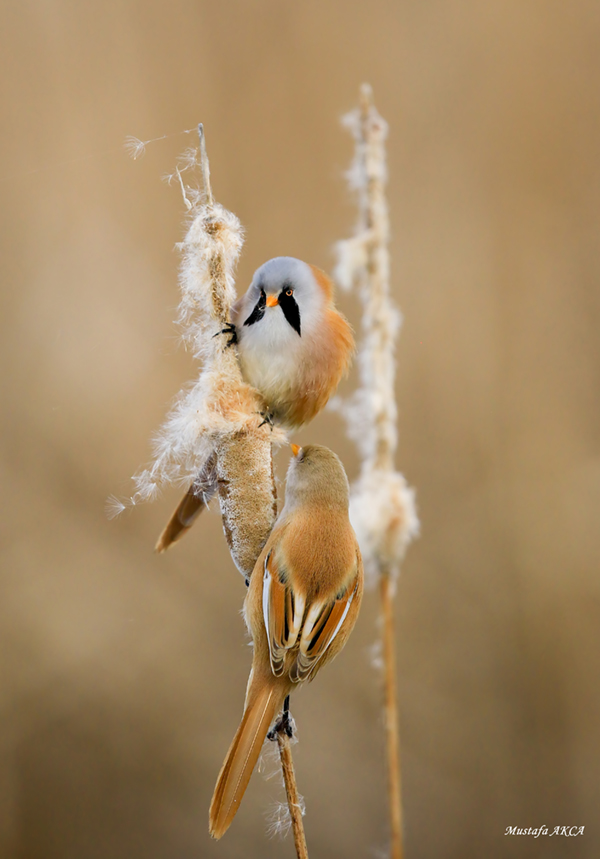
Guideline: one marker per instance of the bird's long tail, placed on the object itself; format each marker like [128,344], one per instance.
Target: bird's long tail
[263,705]
[191,505]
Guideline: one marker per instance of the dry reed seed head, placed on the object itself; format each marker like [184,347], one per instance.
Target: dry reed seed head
[352,258]
[367,176]
[218,403]
[215,407]
[382,507]
[185,440]
[370,420]
[383,514]
[369,162]
[219,414]
[211,250]
[247,494]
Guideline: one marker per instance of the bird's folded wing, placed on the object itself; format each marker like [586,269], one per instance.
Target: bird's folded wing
[282,612]
[323,622]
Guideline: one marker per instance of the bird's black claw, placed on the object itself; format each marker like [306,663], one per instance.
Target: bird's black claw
[284,724]
[266,419]
[231,331]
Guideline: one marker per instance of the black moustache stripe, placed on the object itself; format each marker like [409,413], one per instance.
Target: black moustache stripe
[291,311]
[259,310]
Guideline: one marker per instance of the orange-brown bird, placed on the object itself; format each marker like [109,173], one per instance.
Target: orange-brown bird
[302,603]
[293,347]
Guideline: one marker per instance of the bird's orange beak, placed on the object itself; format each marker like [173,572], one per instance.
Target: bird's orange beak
[272,300]
[295,449]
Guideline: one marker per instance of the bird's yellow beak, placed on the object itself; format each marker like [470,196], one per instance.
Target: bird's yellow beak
[272,300]
[295,449]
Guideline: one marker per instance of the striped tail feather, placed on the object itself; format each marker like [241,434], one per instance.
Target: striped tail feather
[242,756]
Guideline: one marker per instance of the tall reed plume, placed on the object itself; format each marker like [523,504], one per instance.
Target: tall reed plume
[215,439]
[382,506]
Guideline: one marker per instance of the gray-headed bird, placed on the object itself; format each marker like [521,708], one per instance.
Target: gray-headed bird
[293,345]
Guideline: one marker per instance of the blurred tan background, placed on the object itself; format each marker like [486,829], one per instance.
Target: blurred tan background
[123,673]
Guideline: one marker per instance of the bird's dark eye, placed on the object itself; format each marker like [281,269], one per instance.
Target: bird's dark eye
[289,291]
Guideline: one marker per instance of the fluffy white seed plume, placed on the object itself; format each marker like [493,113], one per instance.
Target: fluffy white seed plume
[383,514]
[217,402]
[219,414]
[382,506]
[279,818]
[114,507]
[136,148]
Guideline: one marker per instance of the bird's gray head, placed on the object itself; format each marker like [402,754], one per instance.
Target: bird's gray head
[290,288]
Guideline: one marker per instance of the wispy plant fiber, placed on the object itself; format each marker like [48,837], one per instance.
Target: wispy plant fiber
[382,506]
[218,413]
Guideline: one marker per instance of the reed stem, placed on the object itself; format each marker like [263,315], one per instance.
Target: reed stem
[283,731]
[293,797]
[391,716]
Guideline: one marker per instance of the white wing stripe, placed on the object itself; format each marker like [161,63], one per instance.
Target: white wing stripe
[342,619]
[266,599]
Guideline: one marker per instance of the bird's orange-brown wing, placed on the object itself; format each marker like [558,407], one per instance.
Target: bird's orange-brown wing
[324,621]
[282,611]
[290,624]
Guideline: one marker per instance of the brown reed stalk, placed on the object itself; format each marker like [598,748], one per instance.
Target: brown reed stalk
[391,717]
[382,505]
[283,732]
[289,778]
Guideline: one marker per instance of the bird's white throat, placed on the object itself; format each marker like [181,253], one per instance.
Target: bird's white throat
[270,353]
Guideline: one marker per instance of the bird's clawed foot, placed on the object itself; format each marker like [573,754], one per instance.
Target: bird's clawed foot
[267,418]
[284,724]
[231,332]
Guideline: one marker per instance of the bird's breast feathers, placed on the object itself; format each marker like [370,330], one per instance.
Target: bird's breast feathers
[295,374]
[271,355]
